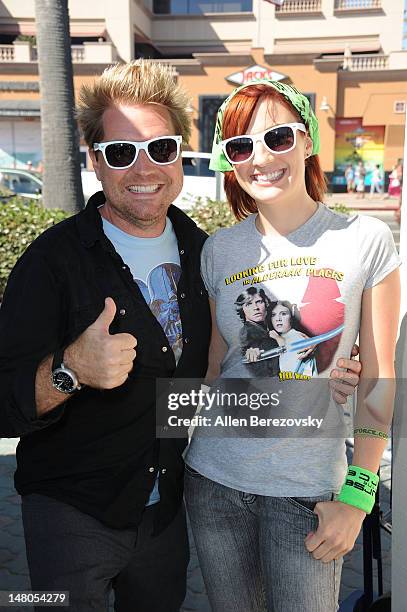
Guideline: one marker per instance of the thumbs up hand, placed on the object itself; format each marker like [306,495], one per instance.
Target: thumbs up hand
[98,358]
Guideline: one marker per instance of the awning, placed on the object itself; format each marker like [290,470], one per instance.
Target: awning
[20,108]
[83,29]
[14,27]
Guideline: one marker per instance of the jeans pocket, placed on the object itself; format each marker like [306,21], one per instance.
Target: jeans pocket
[191,472]
[307,504]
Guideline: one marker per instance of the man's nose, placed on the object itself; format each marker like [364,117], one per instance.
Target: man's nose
[143,162]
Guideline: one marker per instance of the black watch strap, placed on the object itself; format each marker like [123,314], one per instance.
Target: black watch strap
[58,358]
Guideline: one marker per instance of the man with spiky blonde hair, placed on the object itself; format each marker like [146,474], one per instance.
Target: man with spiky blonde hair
[113,296]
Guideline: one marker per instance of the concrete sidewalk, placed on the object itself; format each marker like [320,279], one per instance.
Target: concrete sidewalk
[13,563]
[350,200]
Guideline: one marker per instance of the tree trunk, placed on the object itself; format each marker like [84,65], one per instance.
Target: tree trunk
[60,143]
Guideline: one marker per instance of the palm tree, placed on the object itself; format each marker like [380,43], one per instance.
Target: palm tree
[60,146]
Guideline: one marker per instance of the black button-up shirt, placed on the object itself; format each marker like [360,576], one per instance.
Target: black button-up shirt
[98,450]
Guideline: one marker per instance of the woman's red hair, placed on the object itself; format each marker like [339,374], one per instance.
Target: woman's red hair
[235,122]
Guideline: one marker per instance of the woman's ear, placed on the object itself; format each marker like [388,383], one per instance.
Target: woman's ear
[308,146]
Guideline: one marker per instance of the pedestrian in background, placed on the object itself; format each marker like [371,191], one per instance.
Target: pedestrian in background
[360,175]
[395,180]
[376,181]
[350,178]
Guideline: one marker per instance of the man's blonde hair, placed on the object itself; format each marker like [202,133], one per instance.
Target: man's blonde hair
[137,82]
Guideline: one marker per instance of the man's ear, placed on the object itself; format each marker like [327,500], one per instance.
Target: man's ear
[95,157]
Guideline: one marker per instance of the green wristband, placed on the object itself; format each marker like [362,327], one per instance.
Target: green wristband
[370,433]
[359,488]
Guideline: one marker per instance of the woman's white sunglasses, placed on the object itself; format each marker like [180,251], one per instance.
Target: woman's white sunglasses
[278,139]
[121,154]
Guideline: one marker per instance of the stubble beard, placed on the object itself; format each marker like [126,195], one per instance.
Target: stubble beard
[133,216]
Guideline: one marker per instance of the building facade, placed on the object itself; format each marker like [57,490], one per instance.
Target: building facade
[346,55]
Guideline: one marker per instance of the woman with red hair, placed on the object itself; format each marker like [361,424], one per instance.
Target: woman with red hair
[273,514]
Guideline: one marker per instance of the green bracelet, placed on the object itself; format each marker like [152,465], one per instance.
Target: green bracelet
[371,433]
[359,488]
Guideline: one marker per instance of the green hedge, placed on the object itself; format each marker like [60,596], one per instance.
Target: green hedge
[211,215]
[21,221]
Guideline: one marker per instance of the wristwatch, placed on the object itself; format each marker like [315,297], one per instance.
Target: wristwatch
[63,379]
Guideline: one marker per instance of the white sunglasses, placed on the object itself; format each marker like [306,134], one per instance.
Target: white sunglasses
[278,139]
[121,154]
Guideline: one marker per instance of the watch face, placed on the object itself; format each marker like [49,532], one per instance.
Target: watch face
[63,381]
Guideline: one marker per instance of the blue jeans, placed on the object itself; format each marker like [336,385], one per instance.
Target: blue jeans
[252,553]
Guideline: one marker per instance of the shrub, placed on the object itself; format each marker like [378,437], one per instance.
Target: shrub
[211,215]
[21,221]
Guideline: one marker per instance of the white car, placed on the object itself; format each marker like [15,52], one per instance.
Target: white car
[24,183]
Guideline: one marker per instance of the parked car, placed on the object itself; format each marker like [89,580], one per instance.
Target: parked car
[24,183]
[28,184]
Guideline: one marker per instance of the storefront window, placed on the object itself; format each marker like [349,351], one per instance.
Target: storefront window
[197,7]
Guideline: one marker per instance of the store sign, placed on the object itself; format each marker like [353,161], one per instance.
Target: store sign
[356,143]
[254,73]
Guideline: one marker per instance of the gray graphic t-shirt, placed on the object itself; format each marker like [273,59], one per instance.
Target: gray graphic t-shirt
[276,297]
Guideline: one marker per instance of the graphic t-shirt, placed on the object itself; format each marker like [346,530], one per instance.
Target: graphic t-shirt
[295,303]
[155,266]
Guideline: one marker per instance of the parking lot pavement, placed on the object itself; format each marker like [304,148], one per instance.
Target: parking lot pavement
[13,563]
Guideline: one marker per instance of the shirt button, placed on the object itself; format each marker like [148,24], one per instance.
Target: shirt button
[122,311]
[151,469]
[181,252]
[124,267]
[182,295]
[163,471]
[164,349]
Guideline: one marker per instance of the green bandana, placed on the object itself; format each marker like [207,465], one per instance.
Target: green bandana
[298,101]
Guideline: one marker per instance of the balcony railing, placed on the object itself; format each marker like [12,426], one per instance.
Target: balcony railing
[294,7]
[355,5]
[78,53]
[88,53]
[6,53]
[366,62]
